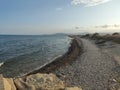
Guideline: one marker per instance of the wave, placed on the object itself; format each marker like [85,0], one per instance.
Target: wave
[38,68]
[73,52]
[1,64]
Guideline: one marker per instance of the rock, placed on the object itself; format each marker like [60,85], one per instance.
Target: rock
[100,41]
[34,82]
[10,81]
[39,82]
[7,86]
[6,83]
[1,83]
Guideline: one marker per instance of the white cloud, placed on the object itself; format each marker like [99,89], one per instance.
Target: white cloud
[89,2]
[99,28]
[115,26]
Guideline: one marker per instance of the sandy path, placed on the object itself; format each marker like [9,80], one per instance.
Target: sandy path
[93,70]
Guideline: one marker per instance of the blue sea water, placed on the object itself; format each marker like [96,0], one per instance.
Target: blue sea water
[24,53]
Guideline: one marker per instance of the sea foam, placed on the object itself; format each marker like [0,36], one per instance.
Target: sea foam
[1,64]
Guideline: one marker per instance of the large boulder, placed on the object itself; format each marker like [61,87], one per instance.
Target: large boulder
[6,83]
[34,82]
[39,82]
[10,82]
[1,83]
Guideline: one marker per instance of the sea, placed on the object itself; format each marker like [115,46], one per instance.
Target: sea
[21,54]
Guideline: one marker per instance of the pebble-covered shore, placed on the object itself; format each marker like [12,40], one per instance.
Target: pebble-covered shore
[93,70]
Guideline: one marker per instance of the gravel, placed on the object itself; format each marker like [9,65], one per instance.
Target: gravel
[93,70]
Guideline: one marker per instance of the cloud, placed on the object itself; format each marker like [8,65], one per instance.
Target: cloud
[108,26]
[99,28]
[77,27]
[88,3]
[59,9]
[102,26]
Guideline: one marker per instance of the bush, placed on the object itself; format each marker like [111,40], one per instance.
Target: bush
[115,33]
[95,35]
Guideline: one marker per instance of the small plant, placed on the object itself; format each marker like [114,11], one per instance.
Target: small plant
[115,33]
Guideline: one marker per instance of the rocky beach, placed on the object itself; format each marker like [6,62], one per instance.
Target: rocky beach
[91,63]
[42,79]
[94,69]
[60,45]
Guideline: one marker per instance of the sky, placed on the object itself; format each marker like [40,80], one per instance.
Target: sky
[59,16]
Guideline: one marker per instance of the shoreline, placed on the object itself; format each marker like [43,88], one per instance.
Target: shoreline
[25,81]
[37,57]
[83,59]
[71,55]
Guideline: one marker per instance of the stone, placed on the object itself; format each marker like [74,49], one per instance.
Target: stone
[1,83]
[39,82]
[34,82]
[9,84]
[6,83]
